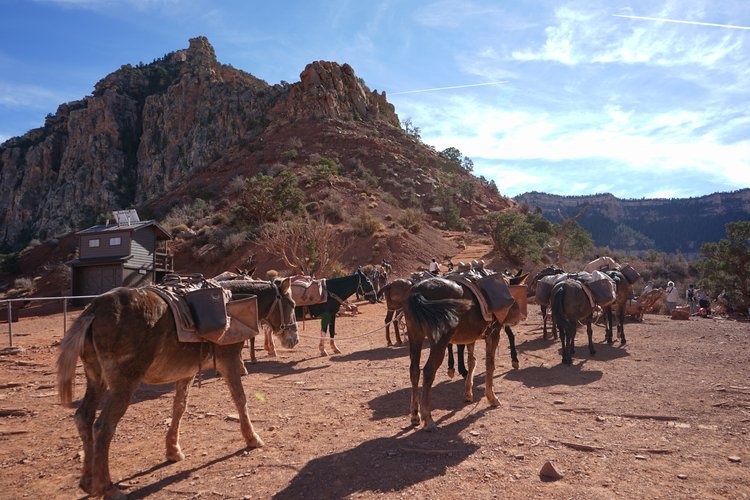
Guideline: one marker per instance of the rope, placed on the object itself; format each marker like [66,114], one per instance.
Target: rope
[349,338]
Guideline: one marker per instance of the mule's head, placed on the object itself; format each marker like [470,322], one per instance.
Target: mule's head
[283,321]
[364,286]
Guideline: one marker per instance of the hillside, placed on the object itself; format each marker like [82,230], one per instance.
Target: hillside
[185,127]
[666,225]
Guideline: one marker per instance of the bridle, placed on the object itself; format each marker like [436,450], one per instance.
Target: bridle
[277,301]
[361,290]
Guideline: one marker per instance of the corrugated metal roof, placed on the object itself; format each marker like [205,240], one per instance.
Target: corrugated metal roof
[134,226]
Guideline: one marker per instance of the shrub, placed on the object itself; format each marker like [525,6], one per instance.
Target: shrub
[23,285]
[235,186]
[233,241]
[272,274]
[365,224]
[411,219]
[289,154]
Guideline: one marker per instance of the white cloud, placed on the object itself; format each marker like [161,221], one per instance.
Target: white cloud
[595,36]
[30,96]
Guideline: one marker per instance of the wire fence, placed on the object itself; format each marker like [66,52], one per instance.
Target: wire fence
[11,310]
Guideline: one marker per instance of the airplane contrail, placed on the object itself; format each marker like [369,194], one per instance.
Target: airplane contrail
[679,21]
[447,88]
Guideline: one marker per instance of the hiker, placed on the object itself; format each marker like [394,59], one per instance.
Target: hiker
[703,301]
[450,265]
[386,266]
[375,278]
[672,294]
[649,286]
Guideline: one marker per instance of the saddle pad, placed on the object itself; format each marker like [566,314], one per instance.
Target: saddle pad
[309,293]
[243,322]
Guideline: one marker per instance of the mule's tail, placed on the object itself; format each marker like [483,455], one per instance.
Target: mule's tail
[440,316]
[70,350]
[564,324]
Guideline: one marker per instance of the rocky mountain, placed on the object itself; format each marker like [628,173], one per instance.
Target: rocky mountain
[667,225]
[184,125]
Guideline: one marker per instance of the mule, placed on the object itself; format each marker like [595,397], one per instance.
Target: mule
[339,289]
[570,304]
[624,290]
[395,294]
[128,336]
[444,311]
[547,271]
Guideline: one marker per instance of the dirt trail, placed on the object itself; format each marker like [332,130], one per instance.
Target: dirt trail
[666,416]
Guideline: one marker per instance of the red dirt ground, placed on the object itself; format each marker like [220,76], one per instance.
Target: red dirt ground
[660,418]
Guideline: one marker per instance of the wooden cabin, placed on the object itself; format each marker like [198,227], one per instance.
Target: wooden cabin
[129,252]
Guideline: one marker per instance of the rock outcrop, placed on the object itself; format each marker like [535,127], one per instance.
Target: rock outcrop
[147,128]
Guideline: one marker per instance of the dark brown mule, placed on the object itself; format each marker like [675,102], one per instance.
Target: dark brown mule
[444,311]
[547,271]
[570,304]
[624,289]
[128,336]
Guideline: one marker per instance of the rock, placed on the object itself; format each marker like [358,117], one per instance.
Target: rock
[233,417]
[681,476]
[600,418]
[734,459]
[641,457]
[550,472]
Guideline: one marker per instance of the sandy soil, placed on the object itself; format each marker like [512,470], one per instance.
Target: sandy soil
[658,418]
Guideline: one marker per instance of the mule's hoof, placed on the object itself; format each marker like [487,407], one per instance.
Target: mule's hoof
[468,399]
[114,493]
[256,442]
[323,352]
[390,344]
[451,372]
[515,365]
[85,484]
[175,456]
[336,350]
[431,427]
[464,374]
[494,402]
[623,342]
[415,420]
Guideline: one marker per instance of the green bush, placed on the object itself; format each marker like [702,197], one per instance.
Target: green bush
[289,154]
[365,224]
[411,219]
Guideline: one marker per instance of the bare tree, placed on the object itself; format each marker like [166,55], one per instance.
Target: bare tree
[564,233]
[304,246]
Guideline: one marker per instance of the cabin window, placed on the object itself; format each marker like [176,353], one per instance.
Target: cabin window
[114,241]
[94,243]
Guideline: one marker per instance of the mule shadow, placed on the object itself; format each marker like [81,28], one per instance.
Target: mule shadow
[535,344]
[604,351]
[153,488]
[548,376]
[377,354]
[378,466]
[447,395]
[279,368]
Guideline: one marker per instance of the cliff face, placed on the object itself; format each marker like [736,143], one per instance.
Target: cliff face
[146,129]
[667,225]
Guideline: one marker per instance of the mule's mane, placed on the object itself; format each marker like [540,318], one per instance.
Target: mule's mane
[246,286]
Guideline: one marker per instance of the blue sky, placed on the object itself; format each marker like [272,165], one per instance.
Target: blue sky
[583,96]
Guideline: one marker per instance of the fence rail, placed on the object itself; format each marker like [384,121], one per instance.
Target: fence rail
[11,311]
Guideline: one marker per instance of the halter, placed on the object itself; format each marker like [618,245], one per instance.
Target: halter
[283,327]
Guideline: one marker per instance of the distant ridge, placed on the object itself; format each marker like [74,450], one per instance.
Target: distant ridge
[663,224]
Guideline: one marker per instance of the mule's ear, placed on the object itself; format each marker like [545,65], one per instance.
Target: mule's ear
[285,283]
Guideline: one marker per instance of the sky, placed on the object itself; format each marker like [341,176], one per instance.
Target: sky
[639,98]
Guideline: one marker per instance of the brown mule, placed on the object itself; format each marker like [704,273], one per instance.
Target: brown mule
[128,336]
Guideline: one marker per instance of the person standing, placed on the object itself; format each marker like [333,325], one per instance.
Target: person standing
[649,286]
[672,295]
[703,301]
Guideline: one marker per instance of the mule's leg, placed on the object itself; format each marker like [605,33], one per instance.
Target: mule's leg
[468,374]
[590,333]
[434,360]
[451,362]
[324,319]
[396,329]
[116,402]
[182,388]
[84,418]
[334,347]
[621,325]
[232,372]
[544,322]
[268,344]
[460,348]
[512,342]
[415,352]
[608,329]
[492,340]
[251,345]
[388,319]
